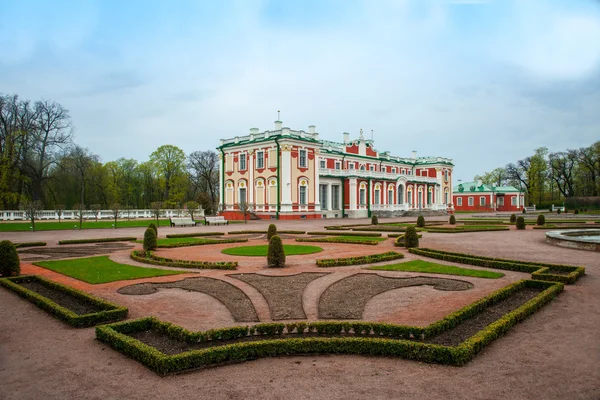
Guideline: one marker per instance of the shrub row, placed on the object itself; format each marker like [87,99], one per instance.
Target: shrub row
[482,222]
[195,234]
[338,240]
[337,228]
[111,312]
[99,240]
[373,258]
[289,232]
[149,257]
[344,234]
[29,244]
[200,243]
[381,228]
[299,338]
[466,229]
[538,270]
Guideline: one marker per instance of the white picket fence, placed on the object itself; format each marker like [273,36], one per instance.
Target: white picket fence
[49,215]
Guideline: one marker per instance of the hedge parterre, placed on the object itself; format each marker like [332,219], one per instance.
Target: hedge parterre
[228,344]
[318,233]
[370,259]
[110,312]
[340,240]
[199,242]
[195,234]
[99,240]
[149,257]
[541,271]
[29,244]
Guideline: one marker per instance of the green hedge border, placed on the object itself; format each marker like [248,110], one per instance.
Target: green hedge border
[208,241]
[246,232]
[29,244]
[194,234]
[538,270]
[338,240]
[367,338]
[100,240]
[470,228]
[112,312]
[370,259]
[319,233]
[148,257]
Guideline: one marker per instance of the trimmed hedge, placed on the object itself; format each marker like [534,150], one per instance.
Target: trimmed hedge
[520,224]
[381,228]
[275,253]
[338,240]
[100,240]
[466,229]
[9,259]
[272,231]
[150,239]
[194,234]
[290,232]
[111,312]
[370,259]
[311,338]
[205,242]
[149,257]
[318,233]
[29,244]
[538,270]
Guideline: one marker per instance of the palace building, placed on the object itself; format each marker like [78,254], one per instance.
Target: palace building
[289,174]
[477,196]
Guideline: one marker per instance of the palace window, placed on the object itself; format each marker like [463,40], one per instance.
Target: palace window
[323,164]
[302,159]
[393,170]
[335,197]
[323,196]
[390,197]
[362,167]
[377,196]
[303,195]
[459,201]
[260,159]
[351,165]
[242,162]
[338,165]
[372,168]
[482,201]
[242,197]
[446,175]
[500,201]
[513,201]
[471,201]
[362,196]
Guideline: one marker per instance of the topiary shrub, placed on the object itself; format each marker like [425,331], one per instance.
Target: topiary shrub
[524,211]
[272,231]
[374,220]
[9,259]
[275,254]
[541,220]
[576,211]
[153,226]
[520,223]
[421,221]
[513,218]
[150,241]
[452,220]
[558,211]
[411,239]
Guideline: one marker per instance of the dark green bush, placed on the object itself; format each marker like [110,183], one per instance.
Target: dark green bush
[541,220]
[452,220]
[524,210]
[520,223]
[374,220]
[576,211]
[153,226]
[150,241]
[272,231]
[421,221]
[98,240]
[513,218]
[150,258]
[9,259]
[411,239]
[275,254]
[373,258]
[558,211]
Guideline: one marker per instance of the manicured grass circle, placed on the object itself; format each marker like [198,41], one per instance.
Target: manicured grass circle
[289,249]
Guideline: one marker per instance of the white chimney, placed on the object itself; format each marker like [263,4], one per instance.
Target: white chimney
[346,137]
[414,154]
[311,129]
[278,125]
[254,130]
[285,131]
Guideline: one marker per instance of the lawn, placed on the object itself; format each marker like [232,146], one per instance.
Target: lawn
[433,268]
[182,240]
[102,270]
[289,249]
[74,224]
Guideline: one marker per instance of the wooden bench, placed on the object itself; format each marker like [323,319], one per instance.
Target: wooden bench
[215,220]
[182,221]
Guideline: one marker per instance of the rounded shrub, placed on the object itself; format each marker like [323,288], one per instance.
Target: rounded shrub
[272,231]
[541,220]
[374,220]
[520,223]
[524,211]
[150,241]
[9,259]
[558,211]
[411,238]
[153,226]
[576,211]
[421,221]
[452,220]
[513,218]
[275,254]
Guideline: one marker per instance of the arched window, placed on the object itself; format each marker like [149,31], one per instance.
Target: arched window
[377,194]
[400,197]
[362,194]
[303,191]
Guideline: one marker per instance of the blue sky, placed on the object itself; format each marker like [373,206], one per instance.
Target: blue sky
[481,82]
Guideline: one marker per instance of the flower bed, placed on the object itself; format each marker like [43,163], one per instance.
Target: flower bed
[541,271]
[370,259]
[99,240]
[277,339]
[149,257]
[106,311]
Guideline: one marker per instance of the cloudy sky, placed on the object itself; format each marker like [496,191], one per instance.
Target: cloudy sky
[481,82]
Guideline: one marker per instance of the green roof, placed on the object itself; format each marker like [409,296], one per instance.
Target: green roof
[471,187]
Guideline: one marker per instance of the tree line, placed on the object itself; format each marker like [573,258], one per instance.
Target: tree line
[42,167]
[549,177]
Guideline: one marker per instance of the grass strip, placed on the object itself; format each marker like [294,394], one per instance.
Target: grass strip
[262,250]
[433,268]
[373,241]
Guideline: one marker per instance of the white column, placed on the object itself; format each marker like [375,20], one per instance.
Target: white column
[384,192]
[329,204]
[221,186]
[317,181]
[286,178]
[251,155]
[352,185]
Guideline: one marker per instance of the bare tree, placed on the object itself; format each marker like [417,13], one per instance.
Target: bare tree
[156,207]
[192,208]
[60,208]
[79,208]
[563,167]
[245,208]
[203,170]
[115,208]
[96,210]
[32,210]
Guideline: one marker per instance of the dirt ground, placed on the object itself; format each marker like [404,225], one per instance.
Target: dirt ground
[554,354]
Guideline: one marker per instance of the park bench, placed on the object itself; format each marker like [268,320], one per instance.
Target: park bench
[215,220]
[182,221]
